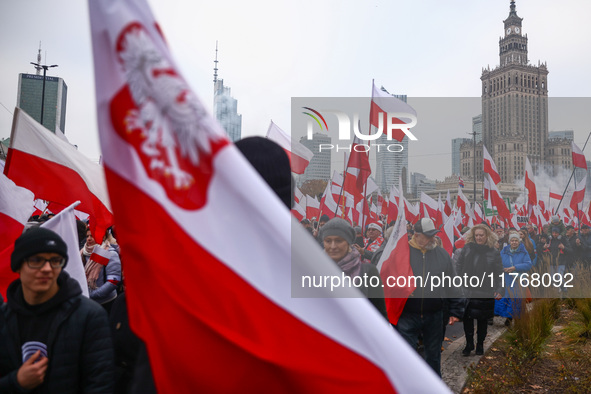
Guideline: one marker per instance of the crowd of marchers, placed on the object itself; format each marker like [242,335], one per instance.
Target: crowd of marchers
[498,253]
[55,340]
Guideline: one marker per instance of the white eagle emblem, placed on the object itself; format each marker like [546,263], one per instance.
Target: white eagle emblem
[168,114]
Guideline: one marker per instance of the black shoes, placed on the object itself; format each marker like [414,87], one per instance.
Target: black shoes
[508,322]
[469,347]
[480,349]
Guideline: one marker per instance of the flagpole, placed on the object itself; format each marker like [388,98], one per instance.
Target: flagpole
[345,165]
[369,149]
[571,177]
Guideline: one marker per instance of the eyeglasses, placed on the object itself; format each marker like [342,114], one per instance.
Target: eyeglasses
[36,262]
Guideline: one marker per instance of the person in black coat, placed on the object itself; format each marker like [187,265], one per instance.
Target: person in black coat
[480,259]
[55,339]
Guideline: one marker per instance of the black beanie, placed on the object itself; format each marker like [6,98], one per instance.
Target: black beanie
[36,240]
[272,163]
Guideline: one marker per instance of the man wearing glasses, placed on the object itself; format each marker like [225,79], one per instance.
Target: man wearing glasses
[57,341]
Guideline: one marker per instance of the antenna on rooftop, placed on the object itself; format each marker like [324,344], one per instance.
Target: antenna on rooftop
[215,67]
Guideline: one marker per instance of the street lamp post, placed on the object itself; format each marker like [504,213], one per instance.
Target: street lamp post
[44,67]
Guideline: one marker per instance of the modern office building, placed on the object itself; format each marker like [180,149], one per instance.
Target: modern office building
[319,167]
[391,166]
[477,127]
[225,107]
[30,93]
[419,183]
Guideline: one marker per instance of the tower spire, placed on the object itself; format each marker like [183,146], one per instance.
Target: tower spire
[38,68]
[215,62]
[512,11]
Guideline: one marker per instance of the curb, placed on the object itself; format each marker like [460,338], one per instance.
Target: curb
[454,366]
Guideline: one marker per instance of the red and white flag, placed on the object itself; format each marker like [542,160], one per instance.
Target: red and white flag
[395,263]
[448,204]
[358,170]
[299,155]
[165,155]
[16,206]
[462,202]
[298,212]
[429,205]
[579,160]
[55,171]
[387,111]
[393,204]
[447,235]
[498,202]
[64,224]
[100,255]
[312,207]
[40,207]
[530,185]
[489,166]
[578,195]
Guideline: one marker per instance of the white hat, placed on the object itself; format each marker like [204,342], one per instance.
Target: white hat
[426,226]
[376,226]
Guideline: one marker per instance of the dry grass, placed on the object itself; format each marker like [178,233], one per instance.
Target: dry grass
[558,364]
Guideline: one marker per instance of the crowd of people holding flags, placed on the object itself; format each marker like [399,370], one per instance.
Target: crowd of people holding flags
[208,263]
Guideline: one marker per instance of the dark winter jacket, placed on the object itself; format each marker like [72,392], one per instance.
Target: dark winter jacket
[481,261]
[79,343]
[433,263]
[375,295]
[476,260]
[585,248]
[560,256]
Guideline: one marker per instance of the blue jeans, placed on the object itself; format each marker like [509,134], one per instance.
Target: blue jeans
[558,269]
[410,325]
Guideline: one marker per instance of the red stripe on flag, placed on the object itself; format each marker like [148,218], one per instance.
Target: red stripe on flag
[242,325]
[6,274]
[102,260]
[55,182]
[376,113]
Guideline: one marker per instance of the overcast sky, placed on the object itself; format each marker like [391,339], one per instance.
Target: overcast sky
[270,51]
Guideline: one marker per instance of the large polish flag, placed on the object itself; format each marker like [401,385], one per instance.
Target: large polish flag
[55,171]
[383,105]
[489,166]
[165,155]
[299,155]
[16,206]
[395,264]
